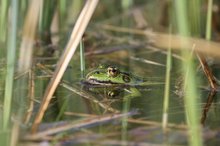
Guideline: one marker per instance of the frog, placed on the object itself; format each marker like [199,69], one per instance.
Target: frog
[115,79]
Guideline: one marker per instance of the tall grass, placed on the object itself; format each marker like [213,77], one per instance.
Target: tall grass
[167,90]
[11,50]
[47,14]
[82,59]
[188,22]
[126,4]
[3,19]
[62,6]
[8,44]
[191,97]
[194,17]
[208,20]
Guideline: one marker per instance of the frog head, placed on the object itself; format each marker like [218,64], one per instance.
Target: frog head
[109,76]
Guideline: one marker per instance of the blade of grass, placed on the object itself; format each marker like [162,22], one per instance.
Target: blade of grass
[62,10]
[3,22]
[194,6]
[124,129]
[11,50]
[82,58]
[76,35]
[191,93]
[45,22]
[209,20]
[74,11]
[3,19]
[47,15]
[167,90]
[126,4]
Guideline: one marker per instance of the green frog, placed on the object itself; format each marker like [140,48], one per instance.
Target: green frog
[115,79]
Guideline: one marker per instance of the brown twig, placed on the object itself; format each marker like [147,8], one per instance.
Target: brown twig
[207,72]
[31,97]
[213,84]
[28,35]
[207,106]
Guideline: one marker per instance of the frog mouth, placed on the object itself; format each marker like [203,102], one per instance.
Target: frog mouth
[98,82]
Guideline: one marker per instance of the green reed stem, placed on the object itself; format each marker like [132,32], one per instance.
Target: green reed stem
[48,12]
[11,49]
[23,5]
[126,4]
[209,20]
[167,89]
[82,59]
[194,17]
[191,93]
[45,22]
[126,107]
[3,19]
[62,10]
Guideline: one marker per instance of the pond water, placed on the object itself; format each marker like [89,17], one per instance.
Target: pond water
[133,54]
[141,128]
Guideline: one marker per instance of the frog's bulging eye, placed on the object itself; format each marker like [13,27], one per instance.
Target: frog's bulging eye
[97,72]
[126,78]
[113,71]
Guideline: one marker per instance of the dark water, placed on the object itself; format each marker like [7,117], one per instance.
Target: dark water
[147,129]
[146,62]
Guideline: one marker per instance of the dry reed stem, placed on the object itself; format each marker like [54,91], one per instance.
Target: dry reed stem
[134,121]
[155,123]
[82,123]
[75,38]
[14,134]
[161,40]
[28,36]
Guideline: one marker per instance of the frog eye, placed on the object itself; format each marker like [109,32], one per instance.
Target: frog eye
[126,79]
[97,72]
[113,71]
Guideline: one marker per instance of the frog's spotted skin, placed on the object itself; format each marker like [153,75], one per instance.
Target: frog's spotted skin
[110,76]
